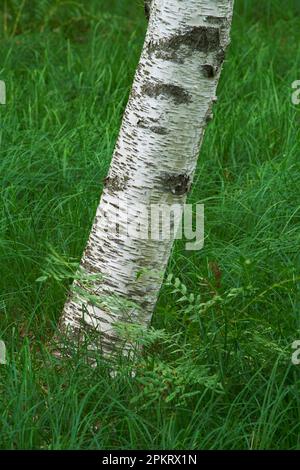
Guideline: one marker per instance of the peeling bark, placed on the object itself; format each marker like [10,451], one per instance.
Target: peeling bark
[153,163]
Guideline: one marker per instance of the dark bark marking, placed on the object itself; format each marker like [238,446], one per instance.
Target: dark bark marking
[116,183]
[89,268]
[209,71]
[178,94]
[218,20]
[171,55]
[200,38]
[177,184]
[159,130]
[144,124]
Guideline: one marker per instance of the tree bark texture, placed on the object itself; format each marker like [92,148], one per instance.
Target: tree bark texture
[154,162]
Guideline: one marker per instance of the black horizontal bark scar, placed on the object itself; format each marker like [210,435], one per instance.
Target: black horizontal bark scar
[178,94]
[159,130]
[200,38]
[152,125]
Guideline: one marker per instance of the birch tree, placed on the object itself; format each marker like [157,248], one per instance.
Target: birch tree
[154,162]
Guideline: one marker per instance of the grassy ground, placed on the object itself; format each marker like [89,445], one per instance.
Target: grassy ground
[216,371]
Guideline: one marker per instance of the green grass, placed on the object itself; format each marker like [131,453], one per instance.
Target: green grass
[216,371]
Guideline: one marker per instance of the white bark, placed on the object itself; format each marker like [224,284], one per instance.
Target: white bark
[154,162]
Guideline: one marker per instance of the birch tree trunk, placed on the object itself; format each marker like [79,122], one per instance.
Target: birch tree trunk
[154,162]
